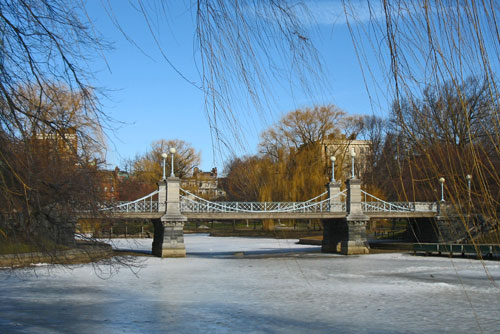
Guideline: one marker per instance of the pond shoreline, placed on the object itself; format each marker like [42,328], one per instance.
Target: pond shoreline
[82,253]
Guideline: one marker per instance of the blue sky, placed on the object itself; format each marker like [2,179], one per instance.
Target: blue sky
[153,102]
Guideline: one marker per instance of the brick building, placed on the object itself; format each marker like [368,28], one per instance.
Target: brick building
[203,184]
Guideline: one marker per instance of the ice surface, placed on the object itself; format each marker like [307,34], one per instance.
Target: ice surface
[275,286]
[202,244]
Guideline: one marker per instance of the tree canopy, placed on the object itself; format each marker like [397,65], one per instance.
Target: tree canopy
[292,165]
[147,167]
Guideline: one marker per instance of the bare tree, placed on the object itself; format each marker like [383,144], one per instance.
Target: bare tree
[438,64]
[446,115]
[148,167]
[50,121]
[309,126]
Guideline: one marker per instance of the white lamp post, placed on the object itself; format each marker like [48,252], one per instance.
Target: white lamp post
[469,178]
[332,158]
[164,156]
[353,155]
[172,152]
[441,180]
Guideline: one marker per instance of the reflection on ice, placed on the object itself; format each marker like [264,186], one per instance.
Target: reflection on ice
[264,290]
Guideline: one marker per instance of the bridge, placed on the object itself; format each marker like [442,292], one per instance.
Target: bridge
[344,214]
[330,204]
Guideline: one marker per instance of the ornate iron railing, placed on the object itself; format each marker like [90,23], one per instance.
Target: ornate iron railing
[193,203]
[375,204]
[143,204]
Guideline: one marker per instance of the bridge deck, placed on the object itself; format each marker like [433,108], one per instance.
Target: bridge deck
[319,207]
[263,215]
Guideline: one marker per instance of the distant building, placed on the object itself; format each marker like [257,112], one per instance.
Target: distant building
[63,142]
[110,180]
[203,184]
[341,148]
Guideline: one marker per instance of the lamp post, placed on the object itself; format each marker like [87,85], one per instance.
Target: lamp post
[172,152]
[441,180]
[332,158]
[164,156]
[353,155]
[469,178]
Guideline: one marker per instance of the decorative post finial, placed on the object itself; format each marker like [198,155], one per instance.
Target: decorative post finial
[469,178]
[441,180]
[353,155]
[332,158]
[164,156]
[172,152]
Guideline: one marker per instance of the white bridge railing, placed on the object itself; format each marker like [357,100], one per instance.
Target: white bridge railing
[143,204]
[193,203]
[375,204]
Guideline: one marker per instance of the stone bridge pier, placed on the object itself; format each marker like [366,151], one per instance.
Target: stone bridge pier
[168,238]
[346,235]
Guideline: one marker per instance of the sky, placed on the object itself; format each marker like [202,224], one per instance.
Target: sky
[150,100]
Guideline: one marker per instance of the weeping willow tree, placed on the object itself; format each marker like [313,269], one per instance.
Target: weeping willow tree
[294,146]
[439,61]
[244,46]
[297,175]
[241,49]
[407,49]
[49,43]
[293,165]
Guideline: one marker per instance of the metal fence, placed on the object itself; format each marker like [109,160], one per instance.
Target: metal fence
[375,204]
[193,203]
[143,204]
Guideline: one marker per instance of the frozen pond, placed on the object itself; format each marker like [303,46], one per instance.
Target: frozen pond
[276,286]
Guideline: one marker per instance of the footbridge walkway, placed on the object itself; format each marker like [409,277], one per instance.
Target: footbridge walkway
[344,214]
[333,203]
